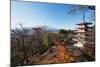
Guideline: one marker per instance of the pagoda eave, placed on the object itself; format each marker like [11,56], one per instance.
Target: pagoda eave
[84,23]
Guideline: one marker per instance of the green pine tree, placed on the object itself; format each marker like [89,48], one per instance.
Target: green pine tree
[47,40]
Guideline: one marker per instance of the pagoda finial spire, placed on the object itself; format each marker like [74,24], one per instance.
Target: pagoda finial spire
[83,16]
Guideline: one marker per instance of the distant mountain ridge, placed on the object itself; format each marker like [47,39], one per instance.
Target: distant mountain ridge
[29,30]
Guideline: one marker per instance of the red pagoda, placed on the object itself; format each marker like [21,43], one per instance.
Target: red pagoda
[83,29]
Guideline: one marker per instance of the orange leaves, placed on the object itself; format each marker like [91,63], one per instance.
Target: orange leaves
[61,52]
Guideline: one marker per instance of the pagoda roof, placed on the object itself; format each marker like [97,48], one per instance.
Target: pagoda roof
[82,23]
[81,31]
[80,28]
[75,30]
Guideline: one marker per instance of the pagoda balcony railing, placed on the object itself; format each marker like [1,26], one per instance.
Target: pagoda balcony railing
[79,31]
[81,26]
[80,35]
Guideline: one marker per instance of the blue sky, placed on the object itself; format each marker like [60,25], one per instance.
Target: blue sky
[32,14]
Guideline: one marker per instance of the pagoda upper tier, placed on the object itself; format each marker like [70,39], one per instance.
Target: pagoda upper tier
[84,23]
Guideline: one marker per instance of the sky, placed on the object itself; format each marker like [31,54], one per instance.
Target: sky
[34,14]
